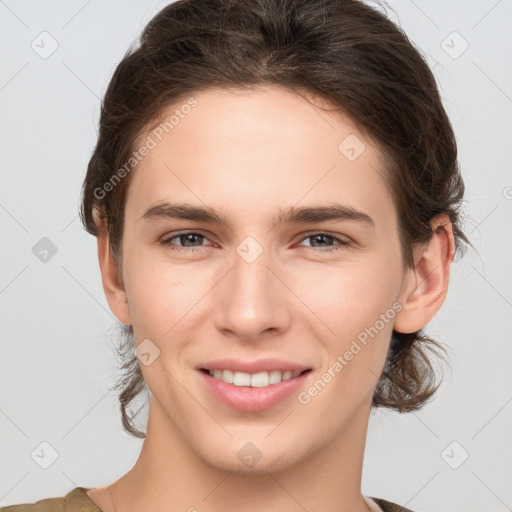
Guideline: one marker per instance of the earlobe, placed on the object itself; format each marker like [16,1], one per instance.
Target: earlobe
[426,284]
[113,285]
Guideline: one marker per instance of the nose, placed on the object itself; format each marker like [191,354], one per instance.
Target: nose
[253,301]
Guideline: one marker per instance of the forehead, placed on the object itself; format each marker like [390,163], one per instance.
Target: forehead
[254,150]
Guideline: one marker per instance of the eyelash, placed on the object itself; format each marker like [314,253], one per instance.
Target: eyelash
[167,242]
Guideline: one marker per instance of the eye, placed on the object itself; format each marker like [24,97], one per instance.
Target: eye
[191,237]
[185,238]
[320,237]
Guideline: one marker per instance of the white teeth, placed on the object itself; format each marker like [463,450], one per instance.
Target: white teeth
[255,380]
[241,379]
[227,376]
[274,377]
[259,380]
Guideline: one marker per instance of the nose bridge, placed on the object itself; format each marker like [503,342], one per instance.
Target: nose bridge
[250,267]
[250,300]
[251,275]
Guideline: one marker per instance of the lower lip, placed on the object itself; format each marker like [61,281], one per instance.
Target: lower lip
[249,399]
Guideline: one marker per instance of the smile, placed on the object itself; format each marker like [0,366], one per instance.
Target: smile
[255,380]
[254,392]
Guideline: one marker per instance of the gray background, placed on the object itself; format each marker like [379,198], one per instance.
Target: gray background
[57,332]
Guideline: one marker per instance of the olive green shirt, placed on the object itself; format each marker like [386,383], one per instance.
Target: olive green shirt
[77,500]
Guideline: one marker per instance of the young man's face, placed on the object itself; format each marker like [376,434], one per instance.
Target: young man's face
[250,290]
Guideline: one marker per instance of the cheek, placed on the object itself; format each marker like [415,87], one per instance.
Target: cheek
[348,297]
[355,305]
[354,356]
[158,299]
[164,297]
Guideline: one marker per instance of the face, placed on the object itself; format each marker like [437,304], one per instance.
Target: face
[262,283]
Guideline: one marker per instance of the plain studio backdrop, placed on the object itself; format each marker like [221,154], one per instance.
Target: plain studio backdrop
[57,332]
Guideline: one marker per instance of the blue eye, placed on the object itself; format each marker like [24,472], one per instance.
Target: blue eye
[190,236]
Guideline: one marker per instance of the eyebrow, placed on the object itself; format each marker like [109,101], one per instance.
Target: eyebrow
[291,215]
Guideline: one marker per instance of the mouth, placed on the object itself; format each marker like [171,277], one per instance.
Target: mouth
[253,392]
[255,380]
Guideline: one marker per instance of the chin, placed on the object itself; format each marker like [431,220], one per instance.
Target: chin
[262,467]
[242,456]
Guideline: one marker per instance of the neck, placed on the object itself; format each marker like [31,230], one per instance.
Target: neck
[169,475]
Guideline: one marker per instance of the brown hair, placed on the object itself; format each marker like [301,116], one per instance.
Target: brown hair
[343,51]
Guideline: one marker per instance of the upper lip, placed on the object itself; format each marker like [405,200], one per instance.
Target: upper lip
[260,365]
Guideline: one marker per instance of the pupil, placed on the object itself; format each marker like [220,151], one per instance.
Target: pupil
[188,237]
[320,237]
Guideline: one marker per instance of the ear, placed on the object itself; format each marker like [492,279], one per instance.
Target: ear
[111,276]
[426,284]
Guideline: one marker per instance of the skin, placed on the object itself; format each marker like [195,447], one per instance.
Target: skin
[248,153]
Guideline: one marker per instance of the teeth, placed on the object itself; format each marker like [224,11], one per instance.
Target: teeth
[259,380]
[226,376]
[274,377]
[255,380]
[241,379]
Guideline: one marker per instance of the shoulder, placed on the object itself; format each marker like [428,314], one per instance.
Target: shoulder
[74,501]
[388,506]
